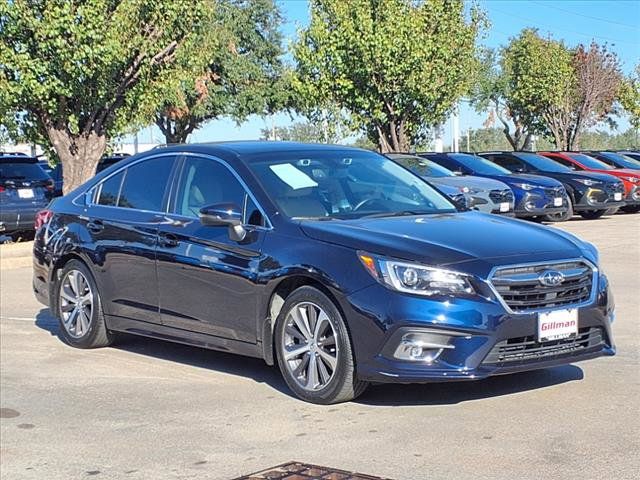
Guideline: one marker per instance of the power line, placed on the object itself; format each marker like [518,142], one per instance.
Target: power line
[588,35]
[613,22]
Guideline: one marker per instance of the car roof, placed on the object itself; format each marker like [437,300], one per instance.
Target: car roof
[17,158]
[248,148]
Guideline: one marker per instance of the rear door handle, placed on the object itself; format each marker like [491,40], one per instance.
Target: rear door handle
[95,226]
[168,240]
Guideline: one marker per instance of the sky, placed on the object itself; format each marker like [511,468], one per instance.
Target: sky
[616,23]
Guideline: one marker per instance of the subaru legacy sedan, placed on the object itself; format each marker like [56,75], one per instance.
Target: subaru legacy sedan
[337,264]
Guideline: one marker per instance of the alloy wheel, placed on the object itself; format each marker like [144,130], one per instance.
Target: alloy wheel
[309,346]
[76,304]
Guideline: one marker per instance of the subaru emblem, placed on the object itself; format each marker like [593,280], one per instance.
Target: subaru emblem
[551,278]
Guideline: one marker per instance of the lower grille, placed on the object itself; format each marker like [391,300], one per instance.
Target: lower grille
[523,288]
[499,196]
[526,349]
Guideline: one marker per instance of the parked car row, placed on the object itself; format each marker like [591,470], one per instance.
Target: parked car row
[27,185]
[551,186]
[334,263]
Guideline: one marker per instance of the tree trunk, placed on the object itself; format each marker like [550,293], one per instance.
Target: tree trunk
[175,130]
[79,155]
[392,137]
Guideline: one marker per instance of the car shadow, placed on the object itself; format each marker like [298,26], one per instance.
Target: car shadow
[431,394]
[217,361]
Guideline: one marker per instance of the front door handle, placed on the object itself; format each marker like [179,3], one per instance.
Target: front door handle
[95,226]
[168,240]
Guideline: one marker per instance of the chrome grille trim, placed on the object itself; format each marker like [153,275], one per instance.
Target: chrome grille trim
[519,291]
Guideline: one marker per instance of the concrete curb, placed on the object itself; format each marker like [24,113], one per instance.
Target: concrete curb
[16,255]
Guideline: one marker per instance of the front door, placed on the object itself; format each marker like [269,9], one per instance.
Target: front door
[207,282]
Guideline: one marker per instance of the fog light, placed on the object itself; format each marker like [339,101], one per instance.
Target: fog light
[422,347]
[530,206]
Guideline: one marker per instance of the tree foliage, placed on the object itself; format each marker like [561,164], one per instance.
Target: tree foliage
[630,97]
[73,73]
[396,66]
[541,86]
[234,69]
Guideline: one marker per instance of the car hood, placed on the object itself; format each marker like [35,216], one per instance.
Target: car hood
[572,176]
[526,178]
[446,238]
[469,181]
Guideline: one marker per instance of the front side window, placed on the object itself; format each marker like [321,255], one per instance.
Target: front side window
[205,182]
[145,183]
[344,184]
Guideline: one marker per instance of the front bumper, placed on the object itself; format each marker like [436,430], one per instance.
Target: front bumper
[476,329]
[598,199]
[535,203]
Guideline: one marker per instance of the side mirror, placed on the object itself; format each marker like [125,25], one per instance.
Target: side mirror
[228,214]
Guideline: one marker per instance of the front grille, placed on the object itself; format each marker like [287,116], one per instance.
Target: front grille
[499,196]
[554,192]
[614,187]
[526,349]
[521,287]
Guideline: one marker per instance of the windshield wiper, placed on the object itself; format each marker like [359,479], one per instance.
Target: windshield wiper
[401,213]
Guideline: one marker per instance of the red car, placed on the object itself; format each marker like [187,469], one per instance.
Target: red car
[580,161]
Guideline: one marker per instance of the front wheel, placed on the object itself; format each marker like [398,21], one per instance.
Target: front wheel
[79,308]
[314,349]
[592,214]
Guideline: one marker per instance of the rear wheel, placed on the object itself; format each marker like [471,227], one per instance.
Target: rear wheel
[631,209]
[79,308]
[592,214]
[314,349]
[560,217]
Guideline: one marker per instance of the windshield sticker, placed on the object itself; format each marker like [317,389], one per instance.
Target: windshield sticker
[293,177]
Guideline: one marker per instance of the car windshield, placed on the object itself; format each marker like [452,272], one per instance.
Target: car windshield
[344,184]
[621,161]
[21,171]
[479,165]
[590,162]
[541,163]
[421,166]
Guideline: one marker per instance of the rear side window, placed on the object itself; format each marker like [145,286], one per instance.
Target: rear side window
[144,184]
[506,161]
[111,190]
[22,171]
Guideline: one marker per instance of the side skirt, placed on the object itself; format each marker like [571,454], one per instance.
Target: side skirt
[176,335]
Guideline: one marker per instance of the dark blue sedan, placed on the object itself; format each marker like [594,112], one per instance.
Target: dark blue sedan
[337,264]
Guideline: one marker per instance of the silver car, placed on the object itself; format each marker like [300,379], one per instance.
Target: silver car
[483,194]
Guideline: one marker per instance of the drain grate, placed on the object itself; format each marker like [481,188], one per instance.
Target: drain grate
[304,471]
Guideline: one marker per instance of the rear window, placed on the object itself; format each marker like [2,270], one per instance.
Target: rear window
[22,171]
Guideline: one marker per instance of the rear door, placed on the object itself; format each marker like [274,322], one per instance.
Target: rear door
[123,225]
[207,282]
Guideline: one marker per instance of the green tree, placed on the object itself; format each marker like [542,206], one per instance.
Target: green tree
[235,67]
[310,132]
[395,66]
[483,139]
[630,97]
[75,73]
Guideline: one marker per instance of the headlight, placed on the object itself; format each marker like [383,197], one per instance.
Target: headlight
[464,189]
[417,279]
[525,186]
[474,191]
[587,182]
[632,179]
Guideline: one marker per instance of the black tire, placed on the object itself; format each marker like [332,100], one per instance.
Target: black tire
[560,217]
[592,214]
[96,335]
[344,384]
[631,209]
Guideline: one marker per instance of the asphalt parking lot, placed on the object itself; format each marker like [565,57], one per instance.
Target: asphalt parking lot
[151,410]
